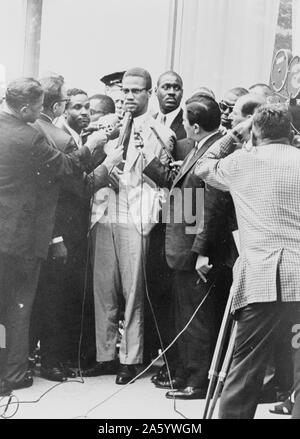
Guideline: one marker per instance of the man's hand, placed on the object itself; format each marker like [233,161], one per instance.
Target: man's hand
[96,141]
[243,129]
[59,252]
[114,157]
[175,164]
[203,267]
[114,179]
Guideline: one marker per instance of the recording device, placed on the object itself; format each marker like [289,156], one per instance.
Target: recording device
[285,75]
[109,123]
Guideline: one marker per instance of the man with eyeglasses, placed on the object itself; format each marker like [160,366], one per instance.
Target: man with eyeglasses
[227,104]
[122,218]
[101,105]
[53,297]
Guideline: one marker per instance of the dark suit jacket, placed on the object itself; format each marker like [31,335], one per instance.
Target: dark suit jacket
[215,240]
[73,207]
[29,168]
[177,126]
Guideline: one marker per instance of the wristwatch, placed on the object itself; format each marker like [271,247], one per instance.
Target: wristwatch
[238,135]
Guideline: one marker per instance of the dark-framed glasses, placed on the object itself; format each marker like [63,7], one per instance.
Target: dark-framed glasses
[224,106]
[133,91]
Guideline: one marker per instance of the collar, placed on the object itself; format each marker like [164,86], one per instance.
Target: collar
[45,117]
[202,141]
[73,133]
[170,117]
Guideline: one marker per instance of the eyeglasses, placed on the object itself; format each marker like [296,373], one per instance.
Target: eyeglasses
[134,91]
[224,106]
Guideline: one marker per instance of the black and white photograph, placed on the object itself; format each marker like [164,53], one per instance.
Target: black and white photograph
[150,213]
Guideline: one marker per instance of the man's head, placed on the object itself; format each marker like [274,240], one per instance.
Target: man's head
[101,105]
[227,104]
[271,124]
[245,107]
[137,85]
[169,91]
[204,91]
[201,116]
[78,109]
[24,97]
[55,95]
[118,97]
[261,89]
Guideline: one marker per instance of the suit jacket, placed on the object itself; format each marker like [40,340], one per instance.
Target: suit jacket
[136,193]
[29,171]
[186,237]
[264,183]
[73,207]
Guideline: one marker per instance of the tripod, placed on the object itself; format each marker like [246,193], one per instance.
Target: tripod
[216,377]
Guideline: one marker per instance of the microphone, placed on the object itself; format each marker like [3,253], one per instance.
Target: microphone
[125,128]
[124,137]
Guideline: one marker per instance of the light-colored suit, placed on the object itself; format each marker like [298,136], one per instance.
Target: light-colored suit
[120,226]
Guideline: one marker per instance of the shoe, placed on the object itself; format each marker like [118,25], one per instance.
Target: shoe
[68,371]
[175,383]
[285,408]
[101,368]
[55,373]
[7,387]
[126,373]
[161,375]
[187,393]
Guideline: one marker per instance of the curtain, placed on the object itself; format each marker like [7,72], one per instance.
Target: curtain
[222,44]
[296,27]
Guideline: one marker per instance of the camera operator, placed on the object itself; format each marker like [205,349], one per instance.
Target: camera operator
[264,183]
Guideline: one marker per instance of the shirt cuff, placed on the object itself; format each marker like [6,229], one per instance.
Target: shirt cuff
[56,240]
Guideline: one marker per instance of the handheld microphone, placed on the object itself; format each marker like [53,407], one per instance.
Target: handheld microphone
[124,132]
[125,127]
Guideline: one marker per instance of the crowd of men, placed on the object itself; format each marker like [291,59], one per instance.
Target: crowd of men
[111,213]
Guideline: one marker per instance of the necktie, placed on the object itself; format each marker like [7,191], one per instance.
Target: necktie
[163,119]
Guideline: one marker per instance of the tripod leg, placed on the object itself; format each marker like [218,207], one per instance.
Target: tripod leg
[214,367]
[223,371]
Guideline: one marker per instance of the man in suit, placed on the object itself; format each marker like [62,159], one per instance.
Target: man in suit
[227,103]
[29,172]
[264,183]
[73,216]
[122,218]
[52,304]
[169,90]
[194,249]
